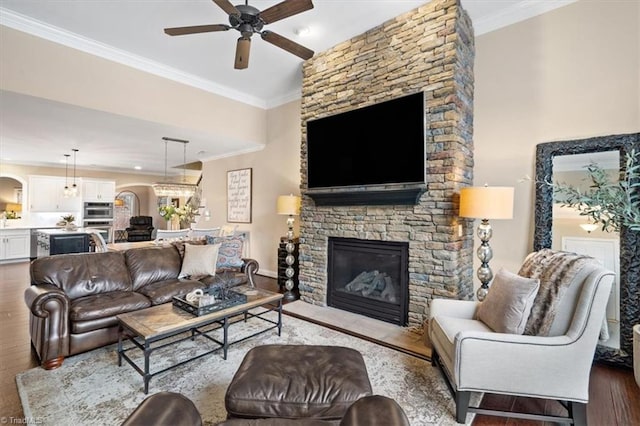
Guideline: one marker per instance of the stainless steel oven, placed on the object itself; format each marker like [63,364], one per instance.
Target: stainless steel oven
[94,211]
[99,216]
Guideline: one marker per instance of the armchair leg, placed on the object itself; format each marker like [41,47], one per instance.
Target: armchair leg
[462,405]
[578,412]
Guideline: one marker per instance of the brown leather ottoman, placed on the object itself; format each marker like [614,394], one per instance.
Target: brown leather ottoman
[297,381]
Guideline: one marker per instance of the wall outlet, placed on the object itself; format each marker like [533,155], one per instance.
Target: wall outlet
[459,230]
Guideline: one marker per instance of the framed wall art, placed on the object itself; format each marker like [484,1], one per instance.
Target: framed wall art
[239,196]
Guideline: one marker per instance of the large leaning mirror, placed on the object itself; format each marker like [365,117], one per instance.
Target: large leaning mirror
[559,228]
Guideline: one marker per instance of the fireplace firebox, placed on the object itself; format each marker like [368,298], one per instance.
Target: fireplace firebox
[369,277]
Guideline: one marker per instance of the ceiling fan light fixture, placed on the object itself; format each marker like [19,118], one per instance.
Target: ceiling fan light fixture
[242,53]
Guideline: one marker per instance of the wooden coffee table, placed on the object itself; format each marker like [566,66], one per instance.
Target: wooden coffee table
[147,326]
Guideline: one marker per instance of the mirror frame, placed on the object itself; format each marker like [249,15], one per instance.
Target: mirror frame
[629,240]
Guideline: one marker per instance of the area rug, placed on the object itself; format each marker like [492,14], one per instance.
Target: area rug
[90,388]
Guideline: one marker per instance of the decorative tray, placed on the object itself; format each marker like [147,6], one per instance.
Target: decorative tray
[224,299]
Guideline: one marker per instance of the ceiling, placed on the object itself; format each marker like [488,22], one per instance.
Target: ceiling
[33,130]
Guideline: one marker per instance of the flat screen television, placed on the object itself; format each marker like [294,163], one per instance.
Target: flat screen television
[378,144]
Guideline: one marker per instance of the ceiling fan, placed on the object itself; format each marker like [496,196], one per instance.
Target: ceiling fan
[248,21]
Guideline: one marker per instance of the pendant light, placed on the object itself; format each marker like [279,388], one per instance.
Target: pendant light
[67,191]
[74,187]
[173,189]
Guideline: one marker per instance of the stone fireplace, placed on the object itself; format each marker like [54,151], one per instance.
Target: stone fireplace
[369,277]
[430,49]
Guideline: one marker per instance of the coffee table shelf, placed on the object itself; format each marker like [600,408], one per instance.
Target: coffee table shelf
[147,328]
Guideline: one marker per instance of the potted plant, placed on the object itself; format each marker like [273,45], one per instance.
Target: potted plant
[68,220]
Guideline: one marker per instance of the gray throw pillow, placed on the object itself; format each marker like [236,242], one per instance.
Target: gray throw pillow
[508,303]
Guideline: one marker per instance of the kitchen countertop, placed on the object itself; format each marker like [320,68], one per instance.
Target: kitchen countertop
[59,231]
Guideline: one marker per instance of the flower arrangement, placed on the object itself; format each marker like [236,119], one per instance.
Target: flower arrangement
[167,211]
[185,214]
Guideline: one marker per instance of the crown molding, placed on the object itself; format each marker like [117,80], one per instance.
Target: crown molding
[517,12]
[40,29]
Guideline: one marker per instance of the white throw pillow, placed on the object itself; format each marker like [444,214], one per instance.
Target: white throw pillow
[508,303]
[199,260]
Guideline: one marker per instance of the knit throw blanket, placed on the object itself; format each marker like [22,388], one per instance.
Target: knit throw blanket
[556,270]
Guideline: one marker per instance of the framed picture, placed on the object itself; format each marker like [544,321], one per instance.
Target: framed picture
[239,196]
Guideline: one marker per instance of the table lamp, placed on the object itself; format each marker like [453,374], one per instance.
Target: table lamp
[486,202]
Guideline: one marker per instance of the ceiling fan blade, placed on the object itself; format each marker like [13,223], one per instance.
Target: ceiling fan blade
[195,29]
[286,44]
[242,53]
[227,7]
[284,10]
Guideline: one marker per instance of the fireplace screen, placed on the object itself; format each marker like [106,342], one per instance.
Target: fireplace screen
[369,277]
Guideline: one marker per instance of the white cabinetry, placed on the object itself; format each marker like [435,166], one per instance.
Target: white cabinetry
[46,194]
[14,244]
[98,190]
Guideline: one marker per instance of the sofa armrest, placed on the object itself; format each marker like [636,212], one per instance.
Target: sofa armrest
[250,267]
[48,322]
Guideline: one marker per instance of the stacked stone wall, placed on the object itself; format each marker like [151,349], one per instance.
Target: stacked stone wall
[430,49]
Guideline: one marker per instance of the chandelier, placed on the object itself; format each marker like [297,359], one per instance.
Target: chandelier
[174,189]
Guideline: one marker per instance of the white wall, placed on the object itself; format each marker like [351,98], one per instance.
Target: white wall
[568,74]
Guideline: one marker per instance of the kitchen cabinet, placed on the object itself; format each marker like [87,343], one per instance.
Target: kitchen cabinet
[98,190]
[14,244]
[46,194]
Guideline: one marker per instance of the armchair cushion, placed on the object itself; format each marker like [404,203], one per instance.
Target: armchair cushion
[508,303]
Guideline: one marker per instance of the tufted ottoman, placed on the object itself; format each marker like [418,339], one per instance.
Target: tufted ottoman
[297,381]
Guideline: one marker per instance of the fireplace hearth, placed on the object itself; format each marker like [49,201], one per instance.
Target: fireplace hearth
[369,277]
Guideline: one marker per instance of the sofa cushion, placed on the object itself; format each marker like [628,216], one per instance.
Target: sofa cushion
[104,306]
[83,274]
[230,253]
[508,303]
[179,245]
[149,265]
[163,291]
[199,260]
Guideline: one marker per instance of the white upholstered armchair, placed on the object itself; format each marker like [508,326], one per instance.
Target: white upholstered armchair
[559,304]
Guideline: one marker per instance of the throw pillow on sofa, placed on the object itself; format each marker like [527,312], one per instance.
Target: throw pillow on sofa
[508,303]
[199,260]
[230,253]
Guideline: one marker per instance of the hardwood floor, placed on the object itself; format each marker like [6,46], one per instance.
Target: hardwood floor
[614,395]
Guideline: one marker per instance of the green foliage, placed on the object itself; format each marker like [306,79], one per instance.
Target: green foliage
[167,211]
[69,218]
[608,203]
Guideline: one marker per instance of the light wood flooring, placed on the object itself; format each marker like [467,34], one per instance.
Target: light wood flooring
[614,396]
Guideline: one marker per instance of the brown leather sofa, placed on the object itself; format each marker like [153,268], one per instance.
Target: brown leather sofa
[74,298]
[170,408]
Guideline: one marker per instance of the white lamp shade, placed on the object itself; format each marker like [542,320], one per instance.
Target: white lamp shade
[288,204]
[487,202]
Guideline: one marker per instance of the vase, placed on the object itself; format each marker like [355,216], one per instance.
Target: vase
[173,224]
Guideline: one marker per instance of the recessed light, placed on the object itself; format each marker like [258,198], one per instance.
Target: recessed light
[137,167]
[302,31]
